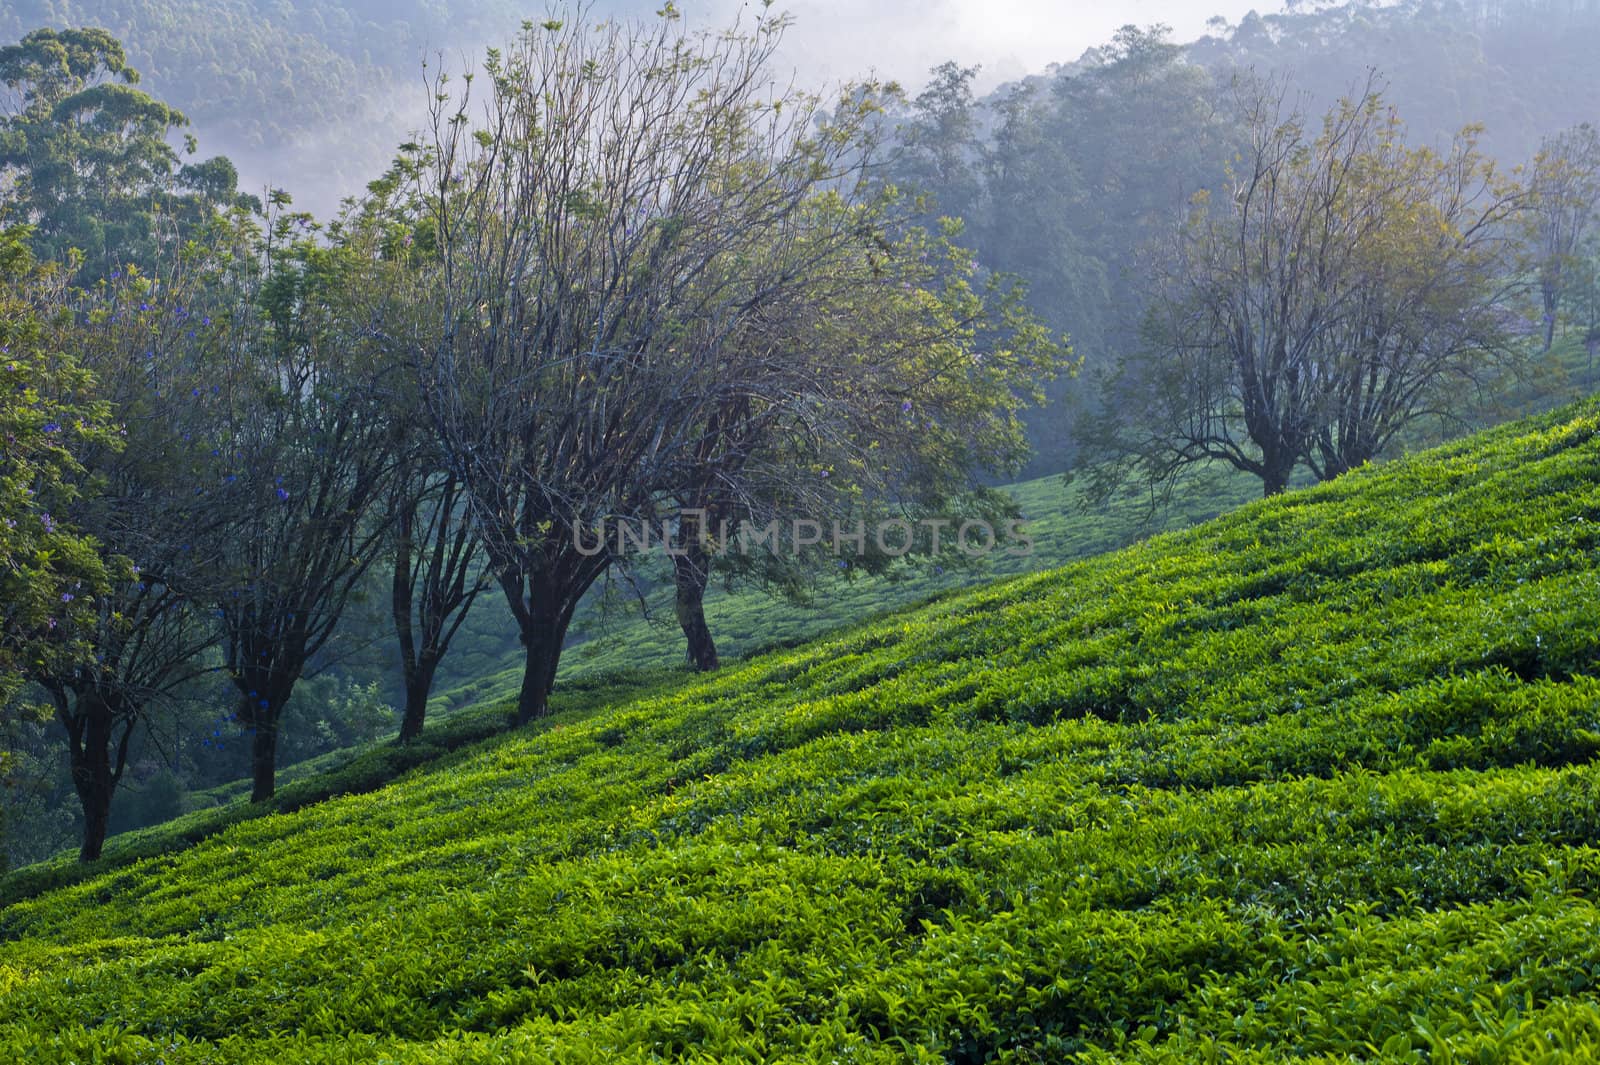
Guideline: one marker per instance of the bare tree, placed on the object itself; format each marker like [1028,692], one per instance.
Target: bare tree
[583,245]
[437,575]
[304,451]
[1325,300]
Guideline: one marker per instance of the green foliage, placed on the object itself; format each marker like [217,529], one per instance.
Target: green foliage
[257,75]
[50,574]
[1315,780]
[85,155]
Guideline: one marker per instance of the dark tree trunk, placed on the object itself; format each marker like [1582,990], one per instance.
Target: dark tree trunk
[264,756]
[543,604]
[1275,476]
[692,572]
[419,684]
[93,776]
[543,639]
[98,733]
[96,819]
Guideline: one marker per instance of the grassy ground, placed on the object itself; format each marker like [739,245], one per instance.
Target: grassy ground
[1316,779]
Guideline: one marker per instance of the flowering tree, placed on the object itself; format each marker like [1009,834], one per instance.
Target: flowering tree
[52,575]
[150,502]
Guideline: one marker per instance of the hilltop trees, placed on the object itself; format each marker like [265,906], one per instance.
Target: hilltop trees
[1322,301]
[1050,186]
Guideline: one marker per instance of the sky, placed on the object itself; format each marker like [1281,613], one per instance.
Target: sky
[901,39]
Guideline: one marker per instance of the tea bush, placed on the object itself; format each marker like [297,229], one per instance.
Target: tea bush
[1314,780]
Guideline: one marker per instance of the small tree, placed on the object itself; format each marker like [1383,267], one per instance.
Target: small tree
[879,379]
[304,452]
[1324,302]
[437,575]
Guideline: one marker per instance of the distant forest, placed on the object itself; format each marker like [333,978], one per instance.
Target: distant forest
[1039,169]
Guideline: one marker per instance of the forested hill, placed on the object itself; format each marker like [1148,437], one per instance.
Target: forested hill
[1074,177]
[1313,780]
[1521,69]
[310,94]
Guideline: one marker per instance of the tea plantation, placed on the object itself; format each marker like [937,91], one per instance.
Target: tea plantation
[1315,780]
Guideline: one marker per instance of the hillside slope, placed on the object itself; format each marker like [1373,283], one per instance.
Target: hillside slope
[1315,778]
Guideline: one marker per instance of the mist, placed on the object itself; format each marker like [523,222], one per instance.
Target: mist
[828,41]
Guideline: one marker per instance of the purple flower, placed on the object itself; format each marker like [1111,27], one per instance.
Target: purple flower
[824,475]
[283,495]
[144,306]
[905,407]
[52,427]
[67,597]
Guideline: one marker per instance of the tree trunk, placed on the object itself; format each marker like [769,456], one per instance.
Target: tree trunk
[543,638]
[419,685]
[692,572]
[96,818]
[543,608]
[264,757]
[1275,478]
[92,777]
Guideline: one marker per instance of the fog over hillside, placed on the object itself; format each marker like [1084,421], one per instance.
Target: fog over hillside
[312,95]
[829,41]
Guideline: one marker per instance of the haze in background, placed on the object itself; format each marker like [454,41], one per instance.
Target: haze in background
[829,41]
[901,39]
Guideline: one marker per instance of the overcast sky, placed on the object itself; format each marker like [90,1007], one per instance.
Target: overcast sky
[901,39]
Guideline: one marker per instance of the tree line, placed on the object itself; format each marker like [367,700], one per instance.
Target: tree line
[621,277]
[618,276]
